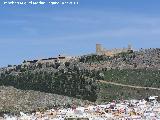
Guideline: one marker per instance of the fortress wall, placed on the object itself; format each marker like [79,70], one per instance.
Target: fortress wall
[102,51]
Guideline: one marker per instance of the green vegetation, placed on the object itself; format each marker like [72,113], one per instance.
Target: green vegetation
[82,83]
[73,83]
[110,92]
[93,58]
[98,58]
[79,78]
[140,77]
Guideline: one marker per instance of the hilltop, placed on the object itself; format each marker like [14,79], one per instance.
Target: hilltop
[82,77]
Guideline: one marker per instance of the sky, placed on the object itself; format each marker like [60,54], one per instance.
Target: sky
[30,32]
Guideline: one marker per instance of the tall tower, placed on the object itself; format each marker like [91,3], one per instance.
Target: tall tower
[129,47]
[98,49]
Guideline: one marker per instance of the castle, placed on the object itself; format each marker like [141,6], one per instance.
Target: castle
[62,59]
[48,61]
[102,51]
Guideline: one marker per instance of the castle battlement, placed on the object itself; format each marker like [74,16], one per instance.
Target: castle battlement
[103,51]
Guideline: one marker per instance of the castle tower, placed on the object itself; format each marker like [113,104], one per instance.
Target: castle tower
[129,47]
[98,48]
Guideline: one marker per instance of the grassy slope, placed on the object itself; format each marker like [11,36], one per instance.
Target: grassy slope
[113,92]
[140,77]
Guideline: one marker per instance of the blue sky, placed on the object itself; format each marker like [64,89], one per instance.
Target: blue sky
[33,32]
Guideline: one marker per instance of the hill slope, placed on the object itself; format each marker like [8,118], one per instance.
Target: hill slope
[79,78]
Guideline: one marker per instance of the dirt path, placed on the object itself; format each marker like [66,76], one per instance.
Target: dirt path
[131,86]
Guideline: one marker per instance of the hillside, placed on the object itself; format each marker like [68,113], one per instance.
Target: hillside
[142,59]
[80,77]
[14,100]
